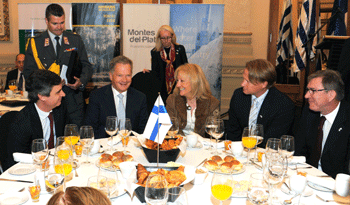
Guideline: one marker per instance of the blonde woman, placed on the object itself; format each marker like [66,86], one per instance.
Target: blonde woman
[192,101]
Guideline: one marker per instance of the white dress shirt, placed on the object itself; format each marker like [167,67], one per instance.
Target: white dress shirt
[45,124]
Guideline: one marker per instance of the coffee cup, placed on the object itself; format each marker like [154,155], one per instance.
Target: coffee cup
[126,168]
[95,147]
[25,94]
[191,140]
[236,148]
[342,184]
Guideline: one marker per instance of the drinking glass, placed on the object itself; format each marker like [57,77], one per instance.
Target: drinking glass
[248,141]
[177,196]
[298,184]
[218,132]
[258,131]
[258,191]
[13,85]
[111,129]
[54,180]
[209,127]
[273,146]
[274,171]
[156,191]
[174,129]
[222,186]
[98,182]
[34,190]
[71,132]
[125,131]
[111,177]
[40,151]
[63,158]
[86,139]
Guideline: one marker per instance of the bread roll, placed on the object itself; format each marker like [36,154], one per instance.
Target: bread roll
[226,167]
[127,158]
[105,155]
[105,162]
[116,162]
[118,154]
[217,159]
[229,158]
[211,165]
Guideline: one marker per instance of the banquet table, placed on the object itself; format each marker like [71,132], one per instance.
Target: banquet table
[197,194]
[4,109]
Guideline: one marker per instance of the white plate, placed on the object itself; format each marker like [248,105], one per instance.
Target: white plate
[318,187]
[307,192]
[105,168]
[22,169]
[198,146]
[13,198]
[233,173]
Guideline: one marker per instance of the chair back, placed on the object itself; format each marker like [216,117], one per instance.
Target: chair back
[149,84]
[5,122]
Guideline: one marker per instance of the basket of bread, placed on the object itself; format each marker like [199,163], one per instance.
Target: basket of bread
[111,162]
[228,164]
[175,176]
[168,150]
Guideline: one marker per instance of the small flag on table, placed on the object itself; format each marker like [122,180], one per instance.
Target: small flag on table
[158,122]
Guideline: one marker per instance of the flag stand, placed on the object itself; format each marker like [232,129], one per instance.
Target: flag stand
[158,131]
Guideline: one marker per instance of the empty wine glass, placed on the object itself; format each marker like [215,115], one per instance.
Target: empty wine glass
[177,196]
[258,131]
[112,179]
[218,132]
[209,127]
[87,139]
[258,191]
[248,141]
[298,184]
[111,129]
[98,182]
[40,151]
[222,186]
[273,146]
[156,191]
[125,131]
[174,129]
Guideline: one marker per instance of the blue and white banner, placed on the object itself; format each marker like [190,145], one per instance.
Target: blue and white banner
[285,37]
[158,122]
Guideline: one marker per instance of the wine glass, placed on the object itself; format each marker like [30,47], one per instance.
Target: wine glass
[218,132]
[274,171]
[248,141]
[222,186]
[177,196]
[298,184]
[258,191]
[156,191]
[125,131]
[98,182]
[273,146]
[54,180]
[87,139]
[209,127]
[174,129]
[258,131]
[13,85]
[40,151]
[111,129]
[111,177]
[71,132]
[287,147]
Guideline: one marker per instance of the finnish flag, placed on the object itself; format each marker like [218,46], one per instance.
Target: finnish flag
[158,117]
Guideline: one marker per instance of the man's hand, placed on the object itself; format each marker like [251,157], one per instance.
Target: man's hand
[145,70]
[76,85]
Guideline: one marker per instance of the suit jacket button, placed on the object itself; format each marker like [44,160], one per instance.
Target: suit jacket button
[45,64]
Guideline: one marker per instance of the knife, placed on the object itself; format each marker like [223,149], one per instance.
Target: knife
[256,164]
[202,162]
[13,180]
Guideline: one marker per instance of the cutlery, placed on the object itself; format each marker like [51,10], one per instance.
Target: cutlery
[296,168]
[322,176]
[75,169]
[287,186]
[14,180]
[258,166]
[327,200]
[289,201]
[202,162]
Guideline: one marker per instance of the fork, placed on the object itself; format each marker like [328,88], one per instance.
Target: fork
[327,200]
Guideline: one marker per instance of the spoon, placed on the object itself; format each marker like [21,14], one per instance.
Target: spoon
[75,169]
[289,201]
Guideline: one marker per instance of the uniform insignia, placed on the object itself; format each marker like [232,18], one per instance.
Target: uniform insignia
[47,42]
[70,49]
[65,39]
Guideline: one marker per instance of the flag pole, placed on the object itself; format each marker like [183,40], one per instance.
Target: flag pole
[158,131]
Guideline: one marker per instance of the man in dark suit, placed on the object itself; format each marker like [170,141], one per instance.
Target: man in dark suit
[117,99]
[33,121]
[16,74]
[42,54]
[323,136]
[258,102]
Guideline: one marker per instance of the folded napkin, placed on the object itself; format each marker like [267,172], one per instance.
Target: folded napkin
[327,182]
[95,148]
[116,139]
[26,158]
[296,160]
[207,141]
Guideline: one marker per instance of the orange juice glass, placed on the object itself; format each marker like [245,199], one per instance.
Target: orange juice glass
[227,143]
[34,192]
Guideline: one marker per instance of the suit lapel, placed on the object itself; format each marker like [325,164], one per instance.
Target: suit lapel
[35,122]
[109,102]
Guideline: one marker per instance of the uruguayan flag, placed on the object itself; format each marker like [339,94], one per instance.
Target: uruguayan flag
[158,121]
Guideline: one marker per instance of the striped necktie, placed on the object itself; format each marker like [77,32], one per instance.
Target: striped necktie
[120,108]
[253,112]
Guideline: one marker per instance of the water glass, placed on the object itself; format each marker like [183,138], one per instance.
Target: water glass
[258,190]
[258,131]
[40,152]
[177,196]
[222,186]
[156,191]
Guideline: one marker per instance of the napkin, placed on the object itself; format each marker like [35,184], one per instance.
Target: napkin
[297,160]
[327,182]
[95,148]
[207,141]
[26,158]
[116,139]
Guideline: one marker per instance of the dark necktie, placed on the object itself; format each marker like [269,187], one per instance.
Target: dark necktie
[58,46]
[20,82]
[315,157]
[51,139]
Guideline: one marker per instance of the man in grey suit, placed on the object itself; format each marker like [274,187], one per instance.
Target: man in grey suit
[259,102]
[16,74]
[117,99]
[52,51]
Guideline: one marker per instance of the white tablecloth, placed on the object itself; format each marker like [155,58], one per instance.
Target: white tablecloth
[197,194]
[4,109]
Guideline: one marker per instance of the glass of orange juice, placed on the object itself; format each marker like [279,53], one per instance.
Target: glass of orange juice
[12,85]
[248,141]
[34,191]
[222,186]
[63,159]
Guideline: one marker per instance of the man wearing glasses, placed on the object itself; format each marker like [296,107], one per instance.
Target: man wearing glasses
[323,136]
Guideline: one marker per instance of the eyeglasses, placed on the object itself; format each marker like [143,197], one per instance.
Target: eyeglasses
[312,91]
[165,38]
